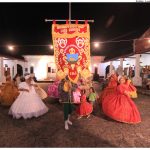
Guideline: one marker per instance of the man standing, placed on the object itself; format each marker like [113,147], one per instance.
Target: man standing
[65,92]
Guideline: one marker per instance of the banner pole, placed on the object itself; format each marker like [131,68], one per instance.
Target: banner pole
[64,20]
[70,12]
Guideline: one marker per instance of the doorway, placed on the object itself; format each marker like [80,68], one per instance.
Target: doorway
[19,70]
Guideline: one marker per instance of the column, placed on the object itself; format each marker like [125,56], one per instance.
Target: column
[121,62]
[137,80]
[121,66]
[1,69]
[15,67]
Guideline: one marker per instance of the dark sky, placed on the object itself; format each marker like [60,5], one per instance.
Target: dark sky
[23,24]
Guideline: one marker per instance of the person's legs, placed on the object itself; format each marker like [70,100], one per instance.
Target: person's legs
[93,104]
[66,113]
[88,116]
[70,108]
[79,117]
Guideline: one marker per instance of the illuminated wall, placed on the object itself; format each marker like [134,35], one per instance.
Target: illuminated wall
[12,63]
[40,64]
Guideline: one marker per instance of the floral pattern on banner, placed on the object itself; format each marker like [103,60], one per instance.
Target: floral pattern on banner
[72,50]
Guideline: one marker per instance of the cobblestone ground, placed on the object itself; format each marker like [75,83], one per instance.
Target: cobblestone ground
[96,131]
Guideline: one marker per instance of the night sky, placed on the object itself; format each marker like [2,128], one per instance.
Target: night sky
[22,24]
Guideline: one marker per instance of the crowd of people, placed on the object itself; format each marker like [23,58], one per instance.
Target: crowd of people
[25,98]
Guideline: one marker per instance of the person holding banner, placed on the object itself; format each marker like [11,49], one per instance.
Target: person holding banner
[65,91]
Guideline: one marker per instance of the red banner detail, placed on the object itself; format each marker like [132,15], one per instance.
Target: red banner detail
[76,21]
[67,21]
[72,49]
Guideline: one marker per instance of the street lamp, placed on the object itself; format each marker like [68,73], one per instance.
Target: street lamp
[51,47]
[11,47]
[96,44]
[95,65]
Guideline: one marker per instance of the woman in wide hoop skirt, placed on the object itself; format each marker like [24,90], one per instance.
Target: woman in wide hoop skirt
[28,104]
[111,87]
[119,106]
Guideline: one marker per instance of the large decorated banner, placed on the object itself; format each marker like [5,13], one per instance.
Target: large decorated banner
[72,50]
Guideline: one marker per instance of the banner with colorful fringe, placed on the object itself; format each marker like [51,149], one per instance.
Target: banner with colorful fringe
[71,44]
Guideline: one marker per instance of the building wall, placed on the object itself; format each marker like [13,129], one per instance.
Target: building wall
[41,64]
[145,59]
[95,62]
[102,67]
[12,63]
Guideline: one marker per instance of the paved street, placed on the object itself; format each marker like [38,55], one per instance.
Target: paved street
[96,131]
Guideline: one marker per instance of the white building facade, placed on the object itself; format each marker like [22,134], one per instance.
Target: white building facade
[45,69]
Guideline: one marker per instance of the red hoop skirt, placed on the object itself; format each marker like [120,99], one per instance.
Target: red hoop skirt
[85,108]
[120,107]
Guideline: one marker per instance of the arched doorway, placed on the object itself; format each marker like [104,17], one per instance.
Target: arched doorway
[19,70]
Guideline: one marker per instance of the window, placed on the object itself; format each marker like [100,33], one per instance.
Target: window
[49,69]
[26,69]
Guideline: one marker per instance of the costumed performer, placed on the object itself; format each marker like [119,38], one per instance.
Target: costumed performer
[66,97]
[52,90]
[9,92]
[28,104]
[111,87]
[92,95]
[85,108]
[76,96]
[119,106]
[42,94]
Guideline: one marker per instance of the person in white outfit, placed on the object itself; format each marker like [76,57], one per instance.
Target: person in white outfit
[28,104]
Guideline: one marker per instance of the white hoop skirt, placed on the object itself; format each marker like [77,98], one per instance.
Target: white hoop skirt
[28,105]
